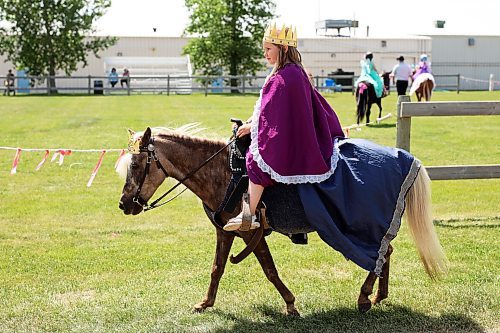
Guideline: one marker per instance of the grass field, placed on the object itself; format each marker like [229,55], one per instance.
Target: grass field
[70,261]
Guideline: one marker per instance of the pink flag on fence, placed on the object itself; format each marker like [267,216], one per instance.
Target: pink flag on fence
[62,153]
[15,162]
[43,160]
[96,169]
[119,158]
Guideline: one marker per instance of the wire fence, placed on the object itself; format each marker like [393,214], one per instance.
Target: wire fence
[179,84]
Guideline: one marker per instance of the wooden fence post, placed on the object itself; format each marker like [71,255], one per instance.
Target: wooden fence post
[168,85]
[403,125]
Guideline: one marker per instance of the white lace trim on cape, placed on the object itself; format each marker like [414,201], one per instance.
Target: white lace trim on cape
[395,224]
[295,179]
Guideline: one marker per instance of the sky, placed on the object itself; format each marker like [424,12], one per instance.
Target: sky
[385,18]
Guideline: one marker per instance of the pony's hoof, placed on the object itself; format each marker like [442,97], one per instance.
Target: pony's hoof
[199,308]
[379,298]
[364,307]
[292,311]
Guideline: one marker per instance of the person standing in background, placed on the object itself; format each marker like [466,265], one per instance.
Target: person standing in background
[401,73]
[9,83]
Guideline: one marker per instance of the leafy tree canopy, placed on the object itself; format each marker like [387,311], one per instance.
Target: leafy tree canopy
[46,36]
[229,35]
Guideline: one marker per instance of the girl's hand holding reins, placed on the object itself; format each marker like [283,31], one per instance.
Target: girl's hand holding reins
[243,130]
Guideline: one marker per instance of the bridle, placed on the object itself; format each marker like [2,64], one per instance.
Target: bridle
[150,149]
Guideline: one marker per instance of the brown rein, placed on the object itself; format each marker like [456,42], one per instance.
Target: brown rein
[150,149]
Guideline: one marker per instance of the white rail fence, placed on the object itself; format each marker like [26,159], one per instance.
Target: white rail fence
[176,84]
[407,110]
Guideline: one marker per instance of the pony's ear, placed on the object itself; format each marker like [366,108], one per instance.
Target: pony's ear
[130,133]
[146,136]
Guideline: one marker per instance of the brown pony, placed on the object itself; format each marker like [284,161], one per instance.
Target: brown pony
[425,90]
[179,154]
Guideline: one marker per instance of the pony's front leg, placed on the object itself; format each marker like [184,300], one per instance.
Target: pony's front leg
[224,243]
[266,261]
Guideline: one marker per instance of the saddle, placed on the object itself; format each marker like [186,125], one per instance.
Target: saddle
[280,210]
[284,212]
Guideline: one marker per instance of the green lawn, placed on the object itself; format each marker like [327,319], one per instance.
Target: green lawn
[70,261]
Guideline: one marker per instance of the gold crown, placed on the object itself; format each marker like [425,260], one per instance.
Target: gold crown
[285,36]
[134,143]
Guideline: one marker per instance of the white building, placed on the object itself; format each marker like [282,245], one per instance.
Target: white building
[325,55]
[473,57]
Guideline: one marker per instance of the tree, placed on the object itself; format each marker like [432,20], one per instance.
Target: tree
[46,36]
[229,35]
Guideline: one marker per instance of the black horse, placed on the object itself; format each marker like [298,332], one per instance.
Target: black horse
[365,97]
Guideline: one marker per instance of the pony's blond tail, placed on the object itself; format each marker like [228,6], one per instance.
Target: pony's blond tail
[419,216]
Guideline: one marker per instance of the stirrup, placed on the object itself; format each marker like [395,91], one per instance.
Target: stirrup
[236,224]
[244,221]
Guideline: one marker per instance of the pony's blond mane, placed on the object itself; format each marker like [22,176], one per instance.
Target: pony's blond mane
[123,164]
[190,129]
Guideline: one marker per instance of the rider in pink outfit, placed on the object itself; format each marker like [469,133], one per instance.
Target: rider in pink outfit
[424,66]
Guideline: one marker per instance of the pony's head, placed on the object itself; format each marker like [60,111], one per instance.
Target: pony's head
[140,181]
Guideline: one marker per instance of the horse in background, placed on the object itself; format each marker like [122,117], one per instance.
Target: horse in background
[422,86]
[365,98]
[386,78]
[425,90]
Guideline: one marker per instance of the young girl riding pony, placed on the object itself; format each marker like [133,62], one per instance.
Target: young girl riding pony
[292,128]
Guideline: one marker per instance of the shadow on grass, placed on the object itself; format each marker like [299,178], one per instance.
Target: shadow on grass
[386,319]
[480,223]
[56,95]
[240,94]
[381,125]
[465,226]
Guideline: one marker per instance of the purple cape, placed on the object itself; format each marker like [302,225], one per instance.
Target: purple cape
[293,129]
